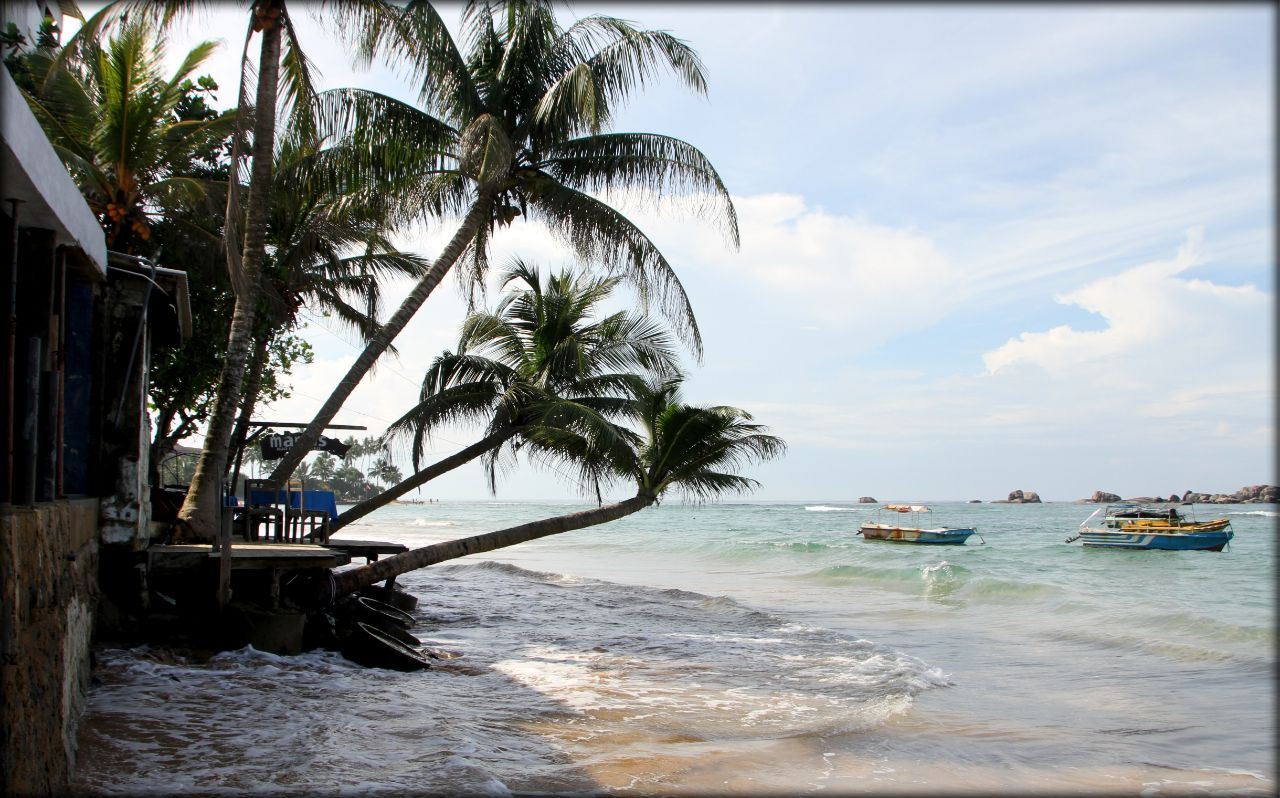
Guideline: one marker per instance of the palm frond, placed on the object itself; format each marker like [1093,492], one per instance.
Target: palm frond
[600,234]
[299,94]
[445,85]
[613,59]
[661,166]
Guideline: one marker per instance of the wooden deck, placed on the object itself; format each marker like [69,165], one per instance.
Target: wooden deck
[369,549]
[272,556]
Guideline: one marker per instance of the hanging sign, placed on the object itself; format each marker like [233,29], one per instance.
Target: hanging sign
[277,444]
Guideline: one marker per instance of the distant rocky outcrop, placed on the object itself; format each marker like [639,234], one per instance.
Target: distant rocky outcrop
[866,500]
[1252,494]
[1020,497]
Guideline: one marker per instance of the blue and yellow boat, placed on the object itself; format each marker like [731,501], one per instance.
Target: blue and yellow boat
[1133,526]
[897,532]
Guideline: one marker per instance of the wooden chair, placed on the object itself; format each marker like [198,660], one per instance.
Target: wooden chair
[303,524]
[255,515]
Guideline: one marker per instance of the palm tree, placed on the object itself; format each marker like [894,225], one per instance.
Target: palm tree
[115,122]
[543,365]
[324,467]
[516,126]
[311,230]
[199,513]
[691,449]
[367,21]
[386,472]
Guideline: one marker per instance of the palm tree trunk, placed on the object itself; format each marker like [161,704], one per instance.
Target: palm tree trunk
[199,512]
[350,581]
[252,387]
[478,215]
[422,477]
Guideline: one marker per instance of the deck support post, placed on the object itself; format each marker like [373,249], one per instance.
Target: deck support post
[224,558]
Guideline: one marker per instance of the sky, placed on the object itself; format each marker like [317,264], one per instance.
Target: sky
[983,247]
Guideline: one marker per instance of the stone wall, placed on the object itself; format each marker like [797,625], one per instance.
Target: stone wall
[48,591]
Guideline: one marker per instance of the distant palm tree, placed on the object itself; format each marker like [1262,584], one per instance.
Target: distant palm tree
[694,450]
[543,363]
[385,471]
[517,126]
[324,467]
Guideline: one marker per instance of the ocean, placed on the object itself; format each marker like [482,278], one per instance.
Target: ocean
[742,648]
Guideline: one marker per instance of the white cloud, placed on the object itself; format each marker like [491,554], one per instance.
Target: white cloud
[1156,322]
[801,262]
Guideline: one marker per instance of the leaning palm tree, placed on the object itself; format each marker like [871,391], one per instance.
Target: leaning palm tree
[685,448]
[544,365]
[327,254]
[517,125]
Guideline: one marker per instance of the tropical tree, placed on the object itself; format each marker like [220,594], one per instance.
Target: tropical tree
[518,126]
[140,146]
[324,467]
[386,472]
[348,482]
[685,448]
[545,364]
[279,53]
[327,253]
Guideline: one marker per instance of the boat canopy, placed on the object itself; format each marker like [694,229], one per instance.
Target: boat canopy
[907,508]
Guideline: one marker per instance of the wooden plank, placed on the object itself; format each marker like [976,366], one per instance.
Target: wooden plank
[363,547]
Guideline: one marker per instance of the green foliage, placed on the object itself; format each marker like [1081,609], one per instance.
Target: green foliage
[324,466]
[349,484]
[546,363]
[126,134]
[18,55]
[386,472]
[285,352]
[521,116]
[695,450]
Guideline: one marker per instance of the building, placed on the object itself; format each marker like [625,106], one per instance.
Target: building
[74,437]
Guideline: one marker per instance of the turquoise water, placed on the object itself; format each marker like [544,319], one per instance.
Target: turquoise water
[746,648]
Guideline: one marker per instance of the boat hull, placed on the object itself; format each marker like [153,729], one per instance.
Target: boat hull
[899,534]
[1213,540]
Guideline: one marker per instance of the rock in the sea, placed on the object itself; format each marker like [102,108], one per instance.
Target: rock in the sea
[1173,497]
[1102,497]
[1020,497]
[866,500]
[1258,494]
[1252,494]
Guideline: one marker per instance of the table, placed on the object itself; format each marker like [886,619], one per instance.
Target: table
[311,499]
